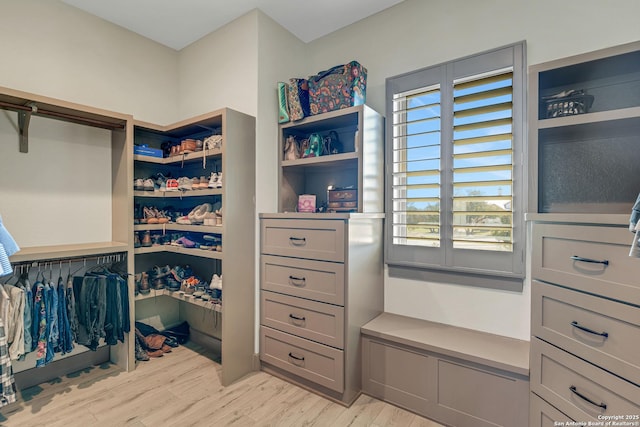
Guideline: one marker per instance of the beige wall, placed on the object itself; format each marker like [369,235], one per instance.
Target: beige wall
[220,70]
[416,34]
[55,50]
[52,49]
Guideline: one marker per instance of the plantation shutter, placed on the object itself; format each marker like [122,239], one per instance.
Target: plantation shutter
[416,167]
[483,162]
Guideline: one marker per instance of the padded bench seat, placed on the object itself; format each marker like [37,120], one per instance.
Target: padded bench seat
[456,376]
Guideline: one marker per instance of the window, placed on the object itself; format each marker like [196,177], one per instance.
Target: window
[455,180]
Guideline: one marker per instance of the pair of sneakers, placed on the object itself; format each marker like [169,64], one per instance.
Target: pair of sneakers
[215,181]
[140,184]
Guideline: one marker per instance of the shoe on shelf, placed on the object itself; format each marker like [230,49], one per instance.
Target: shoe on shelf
[172,283]
[213,142]
[198,213]
[160,183]
[213,180]
[162,217]
[172,184]
[185,184]
[183,220]
[184,242]
[136,240]
[141,353]
[148,185]
[195,183]
[138,184]
[144,287]
[209,219]
[146,239]
[219,181]
[150,215]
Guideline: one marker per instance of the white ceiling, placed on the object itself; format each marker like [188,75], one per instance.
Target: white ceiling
[178,23]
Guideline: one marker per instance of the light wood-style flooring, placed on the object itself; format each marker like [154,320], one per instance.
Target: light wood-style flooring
[182,388]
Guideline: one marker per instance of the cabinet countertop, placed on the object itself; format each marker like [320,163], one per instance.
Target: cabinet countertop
[319,216]
[598,219]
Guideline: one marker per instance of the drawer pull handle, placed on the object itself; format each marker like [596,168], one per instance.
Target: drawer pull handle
[593,261]
[294,317]
[574,390]
[591,331]
[298,241]
[298,358]
[297,281]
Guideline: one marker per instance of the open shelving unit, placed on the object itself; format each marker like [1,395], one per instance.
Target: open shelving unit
[229,326]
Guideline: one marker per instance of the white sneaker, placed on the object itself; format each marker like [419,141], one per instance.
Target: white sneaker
[216,282]
[213,181]
[219,181]
[185,184]
[138,184]
[148,185]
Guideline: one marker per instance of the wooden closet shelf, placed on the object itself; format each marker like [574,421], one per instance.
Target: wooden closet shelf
[176,160]
[179,227]
[180,194]
[179,250]
[181,297]
[39,253]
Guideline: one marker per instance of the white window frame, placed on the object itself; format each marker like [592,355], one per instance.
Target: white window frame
[494,269]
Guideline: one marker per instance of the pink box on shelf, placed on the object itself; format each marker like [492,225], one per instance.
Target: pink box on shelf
[307,203]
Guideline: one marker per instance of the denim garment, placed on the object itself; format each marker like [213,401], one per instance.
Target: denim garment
[28,315]
[40,324]
[111,321]
[92,310]
[66,341]
[71,309]
[54,329]
[124,303]
[37,291]
[49,309]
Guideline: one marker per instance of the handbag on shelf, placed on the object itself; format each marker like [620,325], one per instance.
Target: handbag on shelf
[331,144]
[298,97]
[339,87]
[283,106]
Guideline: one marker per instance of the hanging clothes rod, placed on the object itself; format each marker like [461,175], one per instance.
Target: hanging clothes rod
[111,257]
[64,116]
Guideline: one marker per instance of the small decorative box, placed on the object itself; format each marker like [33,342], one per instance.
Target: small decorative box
[342,199]
[307,203]
[145,150]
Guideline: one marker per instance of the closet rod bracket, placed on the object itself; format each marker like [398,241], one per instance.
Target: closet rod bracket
[24,117]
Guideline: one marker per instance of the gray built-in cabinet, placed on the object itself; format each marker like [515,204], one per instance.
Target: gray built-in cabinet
[585,316]
[321,274]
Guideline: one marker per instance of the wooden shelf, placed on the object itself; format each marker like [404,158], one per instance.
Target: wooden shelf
[37,253]
[177,160]
[597,117]
[179,227]
[331,160]
[179,194]
[178,250]
[181,297]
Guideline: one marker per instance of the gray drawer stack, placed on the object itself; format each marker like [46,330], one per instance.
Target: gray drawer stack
[585,321]
[310,269]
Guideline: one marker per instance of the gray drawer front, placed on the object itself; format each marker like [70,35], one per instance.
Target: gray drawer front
[554,245]
[316,321]
[312,361]
[554,309]
[317,280]
[555,372]
[544,415]
[311,239]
